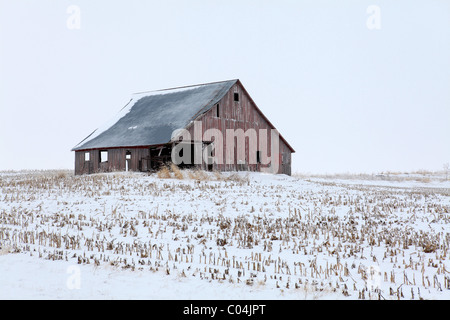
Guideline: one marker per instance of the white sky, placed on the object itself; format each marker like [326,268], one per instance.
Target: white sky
[348,99]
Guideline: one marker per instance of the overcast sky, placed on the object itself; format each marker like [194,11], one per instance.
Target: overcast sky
[353,86]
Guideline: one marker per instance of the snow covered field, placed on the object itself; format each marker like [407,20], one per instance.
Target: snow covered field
[202,235]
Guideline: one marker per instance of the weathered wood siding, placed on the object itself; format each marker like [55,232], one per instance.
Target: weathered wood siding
[242,114]
[116,160]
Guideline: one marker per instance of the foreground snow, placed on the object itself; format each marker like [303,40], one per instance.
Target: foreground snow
[221,236]
[25,277]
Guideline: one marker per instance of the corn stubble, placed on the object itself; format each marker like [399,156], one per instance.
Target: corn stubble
[314,238]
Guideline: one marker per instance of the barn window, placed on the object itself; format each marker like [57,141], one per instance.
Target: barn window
[128,155]
[236,96]
[217,111]
[103,156]
[258,156]
[87,156]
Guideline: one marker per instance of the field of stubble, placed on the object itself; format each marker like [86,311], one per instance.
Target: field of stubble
[282,237]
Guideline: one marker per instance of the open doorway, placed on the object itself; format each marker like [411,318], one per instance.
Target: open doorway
[127,160]
[159,156]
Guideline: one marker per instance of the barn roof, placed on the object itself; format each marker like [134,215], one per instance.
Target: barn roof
[149,118]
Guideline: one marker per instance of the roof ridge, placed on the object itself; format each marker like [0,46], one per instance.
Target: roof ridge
[188,86]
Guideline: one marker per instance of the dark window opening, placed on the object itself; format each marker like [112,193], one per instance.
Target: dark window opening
[217,111]
[103,156]
[236,96]
[258,156]
[128,155]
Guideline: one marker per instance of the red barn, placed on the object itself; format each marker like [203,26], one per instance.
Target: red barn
[212,126]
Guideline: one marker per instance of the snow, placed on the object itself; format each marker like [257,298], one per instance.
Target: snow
[221,236]
[24,277]
[439,184]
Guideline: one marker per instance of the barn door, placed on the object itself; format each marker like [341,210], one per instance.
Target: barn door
[127,160]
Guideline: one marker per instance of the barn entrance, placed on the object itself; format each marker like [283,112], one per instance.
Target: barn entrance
[159,156]
[186,154]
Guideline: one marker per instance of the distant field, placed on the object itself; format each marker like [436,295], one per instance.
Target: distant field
[421,176]
[193,234]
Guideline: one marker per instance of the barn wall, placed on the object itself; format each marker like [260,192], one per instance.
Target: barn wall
[116,160]
[241,115]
